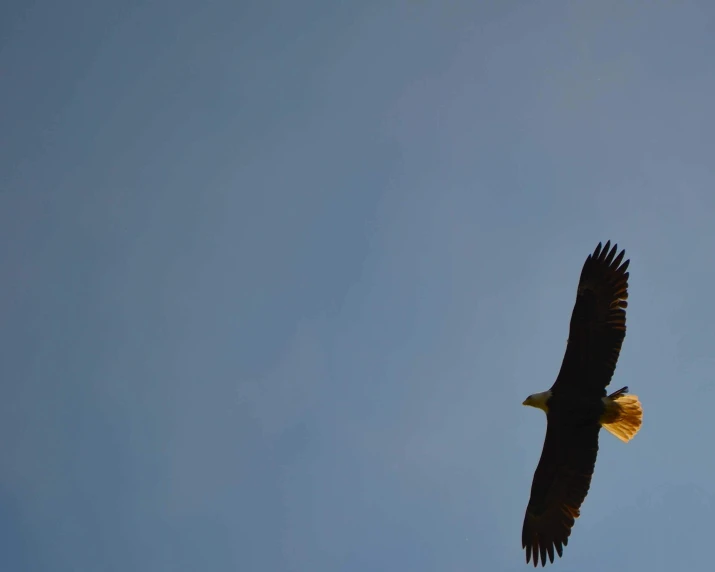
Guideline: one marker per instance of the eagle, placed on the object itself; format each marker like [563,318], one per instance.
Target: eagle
[577,405]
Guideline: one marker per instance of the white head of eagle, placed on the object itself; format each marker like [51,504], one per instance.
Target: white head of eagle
[539,400]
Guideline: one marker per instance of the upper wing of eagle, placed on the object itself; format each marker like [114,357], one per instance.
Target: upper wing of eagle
[560,485]
[598,324]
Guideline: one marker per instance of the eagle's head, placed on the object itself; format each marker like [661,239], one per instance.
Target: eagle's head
[539,400]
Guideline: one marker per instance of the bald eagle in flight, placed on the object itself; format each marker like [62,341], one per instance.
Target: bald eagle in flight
[577,406]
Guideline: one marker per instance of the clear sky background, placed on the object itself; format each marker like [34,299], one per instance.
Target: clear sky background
[277,277]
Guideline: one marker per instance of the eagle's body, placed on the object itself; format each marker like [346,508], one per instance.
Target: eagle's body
[577,406]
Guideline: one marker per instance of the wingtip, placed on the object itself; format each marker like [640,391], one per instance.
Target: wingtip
[610,255]
[597,251]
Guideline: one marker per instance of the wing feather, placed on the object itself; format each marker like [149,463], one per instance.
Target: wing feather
[561,483]
[598,324]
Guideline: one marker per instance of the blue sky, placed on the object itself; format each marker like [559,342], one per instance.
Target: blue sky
[278,276]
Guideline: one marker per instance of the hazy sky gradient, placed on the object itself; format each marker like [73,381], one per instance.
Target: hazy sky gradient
[278,276]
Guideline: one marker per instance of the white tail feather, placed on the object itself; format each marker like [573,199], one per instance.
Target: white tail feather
[623,416]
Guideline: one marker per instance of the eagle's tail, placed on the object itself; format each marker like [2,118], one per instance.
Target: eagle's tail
[623,414]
